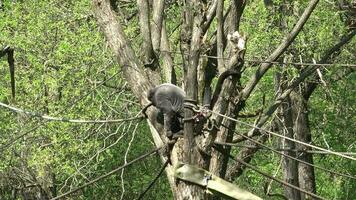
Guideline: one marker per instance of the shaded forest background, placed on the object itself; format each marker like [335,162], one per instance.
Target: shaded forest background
[65,68]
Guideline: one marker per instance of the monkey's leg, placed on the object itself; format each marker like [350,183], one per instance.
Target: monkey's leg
[167,123]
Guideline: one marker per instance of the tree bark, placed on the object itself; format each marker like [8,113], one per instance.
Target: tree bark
[285,127]
[235,51]
[303,133]
[289,166]
[190,47]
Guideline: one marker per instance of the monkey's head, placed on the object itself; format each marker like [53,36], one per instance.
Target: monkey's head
[150,94]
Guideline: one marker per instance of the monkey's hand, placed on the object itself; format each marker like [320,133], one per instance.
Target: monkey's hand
[143,111]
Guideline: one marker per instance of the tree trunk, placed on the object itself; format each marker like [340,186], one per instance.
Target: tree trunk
[303,134]
[289,166]
[285,127]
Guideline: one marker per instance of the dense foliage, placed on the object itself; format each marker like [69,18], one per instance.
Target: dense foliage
[64,68]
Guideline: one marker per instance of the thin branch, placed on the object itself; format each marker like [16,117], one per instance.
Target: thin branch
[346,39]
[108,174]
[4,146]
[125,161]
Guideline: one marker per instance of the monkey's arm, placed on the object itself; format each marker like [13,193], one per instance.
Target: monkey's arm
[143,111]
[219,84]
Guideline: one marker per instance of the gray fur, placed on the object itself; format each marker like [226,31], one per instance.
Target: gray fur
[169,99]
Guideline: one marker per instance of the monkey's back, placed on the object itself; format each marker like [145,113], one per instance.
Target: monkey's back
[168,97]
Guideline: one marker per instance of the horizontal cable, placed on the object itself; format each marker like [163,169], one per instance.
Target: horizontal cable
[275,179]
[277,149]
[287,138]
[273,62]
[13,140]
[49,118]
[283,154]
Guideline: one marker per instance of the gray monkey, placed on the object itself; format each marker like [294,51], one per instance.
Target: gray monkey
[169,100]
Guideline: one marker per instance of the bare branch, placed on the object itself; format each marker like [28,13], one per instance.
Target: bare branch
[145,30]
[168,65]
[346,39]
[158,11]
[131,65]
[220,34]
[210,16]
[279,51]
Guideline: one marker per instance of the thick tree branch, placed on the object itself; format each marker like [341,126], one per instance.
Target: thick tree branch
[220,34]
[209,16]
[235,13]
[218,161]
[190,45]
[168,65]
[158,11]
[235,49]
[191,84]
[132,67]
[279,51]
[231,24]
[144,18]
